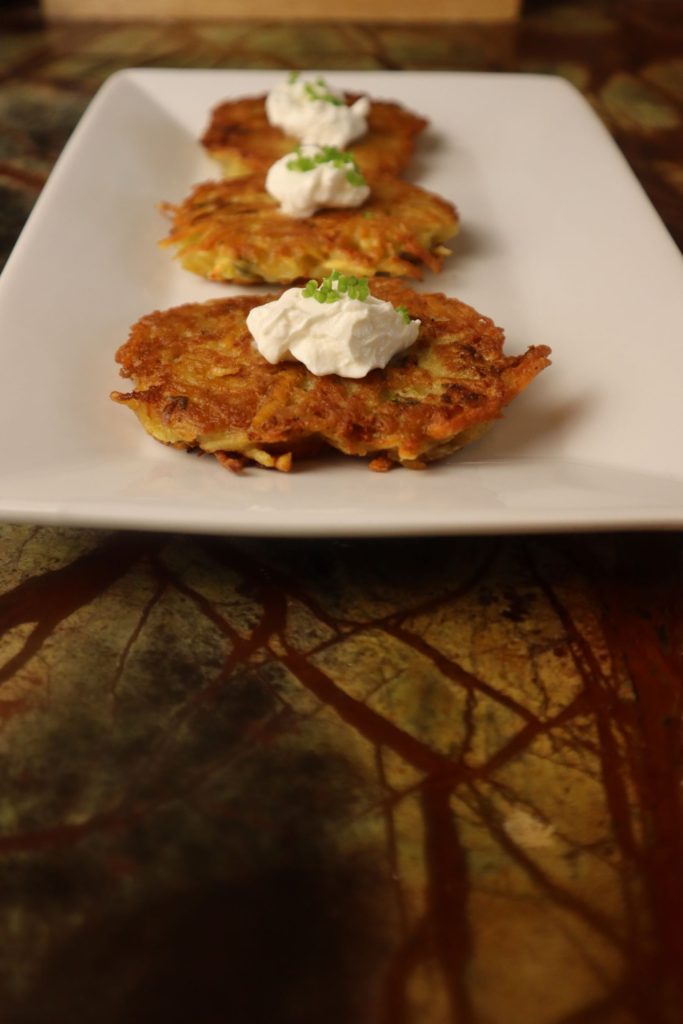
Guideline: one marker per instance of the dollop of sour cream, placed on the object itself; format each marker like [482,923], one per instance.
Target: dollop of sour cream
[315,177]
[314,112]
[347,336]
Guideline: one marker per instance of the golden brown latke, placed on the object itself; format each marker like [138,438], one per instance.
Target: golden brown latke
[243,141]
[200,383]
[234,231]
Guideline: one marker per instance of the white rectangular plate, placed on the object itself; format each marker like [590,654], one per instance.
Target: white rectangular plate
[559,245]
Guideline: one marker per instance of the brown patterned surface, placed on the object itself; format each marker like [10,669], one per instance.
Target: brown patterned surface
[403,782]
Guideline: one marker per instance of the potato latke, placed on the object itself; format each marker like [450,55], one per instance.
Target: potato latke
[200,383]
[233,231]
[243,141]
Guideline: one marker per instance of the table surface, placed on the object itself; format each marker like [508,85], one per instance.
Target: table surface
[425,781]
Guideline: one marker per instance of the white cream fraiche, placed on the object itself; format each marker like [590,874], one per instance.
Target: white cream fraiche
[314,112]
[347,336]
[314,178]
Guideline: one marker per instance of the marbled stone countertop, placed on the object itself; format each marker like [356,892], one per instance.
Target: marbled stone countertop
[426,781]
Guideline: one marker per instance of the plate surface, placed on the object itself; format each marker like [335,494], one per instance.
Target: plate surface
[559,245]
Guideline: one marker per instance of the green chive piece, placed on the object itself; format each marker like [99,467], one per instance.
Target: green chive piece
[293,77]
[404,313]
[319,90]
[327,155]
[333,287]
[299,162]
[355,178]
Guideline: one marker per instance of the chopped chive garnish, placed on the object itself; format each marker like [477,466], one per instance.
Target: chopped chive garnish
[355,178]
[294,77]
[328,155]
[300,162]
[333,287]
[319,90]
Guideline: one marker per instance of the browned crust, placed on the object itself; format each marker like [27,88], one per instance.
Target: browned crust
[200,383]
[240,137]
[234,231]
